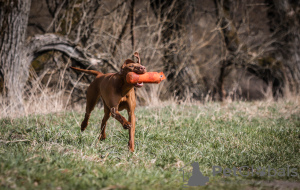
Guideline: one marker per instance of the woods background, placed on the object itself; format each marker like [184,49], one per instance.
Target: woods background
[208,49]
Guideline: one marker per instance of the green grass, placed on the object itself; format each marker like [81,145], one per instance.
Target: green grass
[50,152]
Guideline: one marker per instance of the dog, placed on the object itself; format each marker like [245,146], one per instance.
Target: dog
[117,94]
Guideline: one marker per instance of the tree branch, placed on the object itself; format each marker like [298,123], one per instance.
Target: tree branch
[40,44]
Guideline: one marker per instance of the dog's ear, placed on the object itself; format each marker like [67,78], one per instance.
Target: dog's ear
[127,61]
[136,54]
[122,67]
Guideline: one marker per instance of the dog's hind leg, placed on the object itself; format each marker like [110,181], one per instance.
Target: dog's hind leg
[91,101]
[103,124]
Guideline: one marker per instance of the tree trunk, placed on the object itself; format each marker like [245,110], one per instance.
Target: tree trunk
[229,34]
[13,24]
[16,53]
[284,25]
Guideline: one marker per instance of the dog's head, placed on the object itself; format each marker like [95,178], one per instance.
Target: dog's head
[131,66]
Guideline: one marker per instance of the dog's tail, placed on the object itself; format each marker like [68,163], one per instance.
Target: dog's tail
[91,72]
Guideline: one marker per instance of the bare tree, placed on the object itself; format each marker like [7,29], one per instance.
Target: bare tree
[17,54]
[174,15]
[13,62]
[229,35]
[264,66]
[129,24]
[284,24]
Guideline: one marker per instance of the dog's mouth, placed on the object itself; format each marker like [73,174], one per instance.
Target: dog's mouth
[140,72]
[139,84]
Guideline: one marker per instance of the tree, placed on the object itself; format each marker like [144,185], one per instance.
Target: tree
[13,62]
[284,24]
[265,66]
[172,15]
[16,53]
[229,35]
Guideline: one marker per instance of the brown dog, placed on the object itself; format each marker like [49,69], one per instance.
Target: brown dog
[116,94]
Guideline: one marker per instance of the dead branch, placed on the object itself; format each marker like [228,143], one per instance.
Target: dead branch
[48,42]
[55,15]
[118,6]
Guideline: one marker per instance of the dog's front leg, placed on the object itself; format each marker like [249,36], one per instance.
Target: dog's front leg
[131,130]
[116,114]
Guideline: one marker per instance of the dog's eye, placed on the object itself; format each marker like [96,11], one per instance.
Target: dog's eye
[131,66]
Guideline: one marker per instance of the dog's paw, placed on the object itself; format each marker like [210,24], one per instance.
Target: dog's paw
[83,125]
[102,137]
[127,125]
[130,146]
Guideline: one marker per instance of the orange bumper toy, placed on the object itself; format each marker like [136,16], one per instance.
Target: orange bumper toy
[149,77]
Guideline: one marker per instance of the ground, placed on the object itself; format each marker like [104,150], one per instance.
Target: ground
[49,151]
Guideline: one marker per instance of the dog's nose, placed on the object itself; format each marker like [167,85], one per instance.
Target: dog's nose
[142,68]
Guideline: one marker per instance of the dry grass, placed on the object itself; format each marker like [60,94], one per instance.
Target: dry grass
[49,151]
[44,100]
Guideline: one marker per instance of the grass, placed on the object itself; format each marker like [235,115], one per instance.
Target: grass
[49,151]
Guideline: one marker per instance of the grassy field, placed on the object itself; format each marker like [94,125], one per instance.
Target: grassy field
[50,152]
